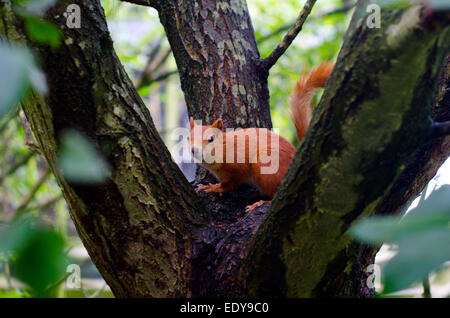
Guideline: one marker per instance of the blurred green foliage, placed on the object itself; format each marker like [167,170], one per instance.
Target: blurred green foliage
[422,238]
[319,40]
[16,75]
[43,32]
[79,161]
[34,248]
[435,4]
[37,254]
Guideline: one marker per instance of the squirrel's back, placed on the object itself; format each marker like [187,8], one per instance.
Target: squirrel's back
[303,93]
[244,152]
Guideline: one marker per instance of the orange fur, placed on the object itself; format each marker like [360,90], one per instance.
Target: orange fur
[303,93]
[247,162]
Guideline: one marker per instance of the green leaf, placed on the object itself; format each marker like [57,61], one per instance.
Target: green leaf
[417,256]
[43,31]
[397,4]
[39,258]
[79,160]
[438,202]
[41,262]
[377,230]
[430,214]
[37,80]
[14,235]
[17,73]
[15,64]
[422,236]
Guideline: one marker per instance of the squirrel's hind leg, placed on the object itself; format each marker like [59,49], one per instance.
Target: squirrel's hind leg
[250,208]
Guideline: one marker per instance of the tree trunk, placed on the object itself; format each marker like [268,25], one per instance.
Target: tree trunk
[367,135]
[219,64]
[150,234]
[135,225]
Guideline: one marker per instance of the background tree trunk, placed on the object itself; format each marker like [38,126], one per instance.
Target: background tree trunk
[219,64]
[150,234]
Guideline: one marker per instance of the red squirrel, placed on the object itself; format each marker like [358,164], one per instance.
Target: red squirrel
[233,162]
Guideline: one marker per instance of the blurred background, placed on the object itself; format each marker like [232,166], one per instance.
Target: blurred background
[28,188]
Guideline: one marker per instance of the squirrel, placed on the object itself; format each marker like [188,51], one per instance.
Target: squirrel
[246,160]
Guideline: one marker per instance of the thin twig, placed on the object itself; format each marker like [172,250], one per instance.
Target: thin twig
[29,197]
[96,293]
[426,287]
[163,76]
[58,282]
[29,139]
[286,27]
[152,67]
[45,205]
[426,281]
[154,50]
[7,119]
[290,35]
[147,3]
[23,161]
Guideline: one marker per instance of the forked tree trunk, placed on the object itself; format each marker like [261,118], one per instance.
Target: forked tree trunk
[370,149]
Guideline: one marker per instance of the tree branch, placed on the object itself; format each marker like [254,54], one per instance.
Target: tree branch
[139,225]
[426,287]
[45,205]
[153,65]
[431,156]
[6,119]
[21,162]
[29,197]
[154,50]
[345,167]
[162,76]
[284,28]
[147,3]
[290,36]
[29,140]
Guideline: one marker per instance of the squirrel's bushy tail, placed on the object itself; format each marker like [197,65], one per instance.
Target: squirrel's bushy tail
[303,93]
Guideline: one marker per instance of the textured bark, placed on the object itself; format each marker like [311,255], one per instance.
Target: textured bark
[215,49]
[372,120]
[134,226]
[150,234]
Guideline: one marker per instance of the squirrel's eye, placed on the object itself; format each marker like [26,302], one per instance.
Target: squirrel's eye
[211,139]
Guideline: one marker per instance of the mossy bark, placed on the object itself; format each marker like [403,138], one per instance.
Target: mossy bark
[364,139]
[146,229]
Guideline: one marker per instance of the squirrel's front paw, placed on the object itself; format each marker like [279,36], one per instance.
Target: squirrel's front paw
[210,187]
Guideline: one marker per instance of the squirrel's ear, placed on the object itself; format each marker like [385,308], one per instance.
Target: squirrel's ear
[218,124]
[191,122]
